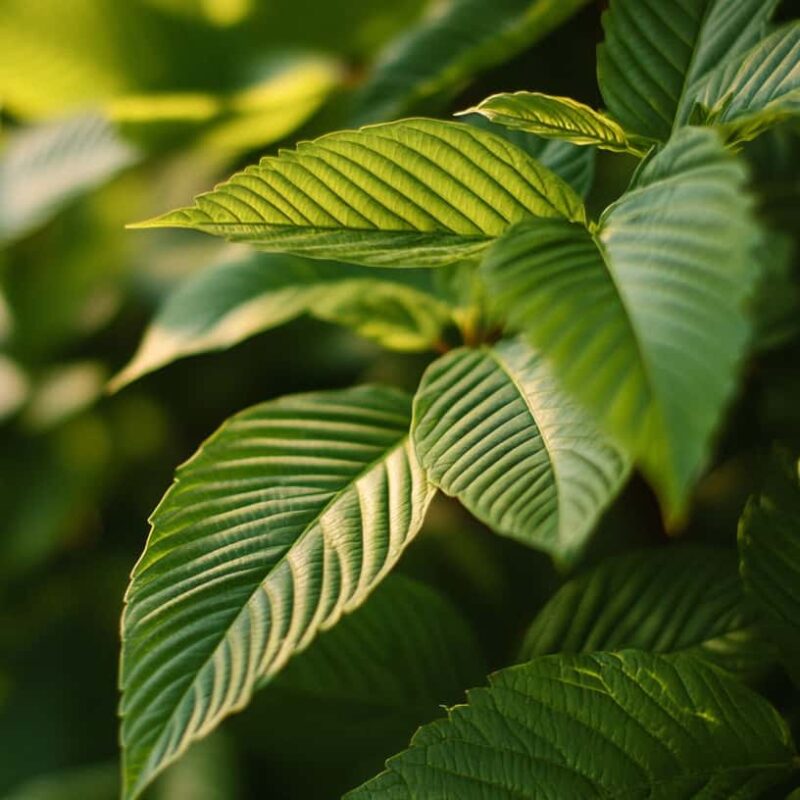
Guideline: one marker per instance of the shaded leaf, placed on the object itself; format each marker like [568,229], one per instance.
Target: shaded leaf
[242,296]
[560,726]
[643,320]
[492,427]
[655,54]
[672,600]
[284,520]
[559,118]
[411,193]
[457,40]
[44,167]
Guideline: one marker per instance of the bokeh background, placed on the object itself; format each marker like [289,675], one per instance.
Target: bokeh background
[116,110]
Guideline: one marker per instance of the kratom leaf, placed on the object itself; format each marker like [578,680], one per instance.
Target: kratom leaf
[559,118]
[283,521]
[492,427]
[656,53]
[628,724]
[752,93]
[769,549]
[457,40]
[572,163]
[411,193]
[45,166]
[672,600]
[643,319]
[244,295]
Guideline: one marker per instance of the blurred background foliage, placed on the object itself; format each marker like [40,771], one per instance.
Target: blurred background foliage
[114,111]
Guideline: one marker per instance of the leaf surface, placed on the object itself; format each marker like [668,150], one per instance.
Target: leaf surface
[559,118]
[628,724]
[283,521]
[644,320]
[410,193]
[655,54]
[672,600]
[492,427]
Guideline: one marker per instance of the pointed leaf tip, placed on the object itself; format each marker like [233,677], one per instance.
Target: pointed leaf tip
[172,219]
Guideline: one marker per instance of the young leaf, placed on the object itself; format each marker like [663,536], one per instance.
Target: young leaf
[752,93]
[239,297]
[655,53]
[283,521]
[644,320]
[45,166]
[559,118]
[455,42]
[411,193]
[492,427]
[572,163]
[671,600]
[769,548]
[629,724]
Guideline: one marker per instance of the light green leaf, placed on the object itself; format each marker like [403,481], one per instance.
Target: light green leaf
[411,193]
[672,600]
[643,320]
[769,549]
[283,521]
[572,163]
[457,40]
[492,427]
[43,167]
[559,118]
[630,724]
[656,53]
[752,93]
[243,296]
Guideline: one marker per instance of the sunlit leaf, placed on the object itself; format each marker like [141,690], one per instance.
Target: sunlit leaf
[283,521]
[644,319]
[559,118]
[672,600]
[630,724]
[44,167]
[492,427]
[457,40]
[411,193]
[242,296]
[656,53]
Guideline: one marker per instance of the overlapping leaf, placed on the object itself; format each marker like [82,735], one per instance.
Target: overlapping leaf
[45,166]
[456,41]
[630,724]
[283,521]
[492,427]
[673,600]
[750,94]
[644,320]
[656,53]
[411,193]
[559,118]
[242,296]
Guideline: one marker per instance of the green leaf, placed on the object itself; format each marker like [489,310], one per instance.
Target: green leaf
[242,296]
[750,94]
[456,41]
[672,600]
[492,428]
[769,549]
[643,320]
[656,53]
[44,167]
[411,193]
[283,521]
[572,163]
[559,118]
[630,724]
